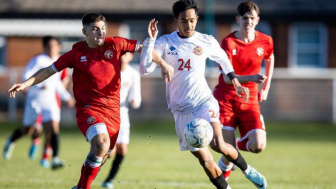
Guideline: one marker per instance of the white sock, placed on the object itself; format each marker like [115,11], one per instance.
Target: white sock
[247,171]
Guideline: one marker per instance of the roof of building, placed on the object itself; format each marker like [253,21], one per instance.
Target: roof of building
[160,6]
[62,17]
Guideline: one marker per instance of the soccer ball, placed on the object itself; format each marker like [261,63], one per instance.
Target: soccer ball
[198,133]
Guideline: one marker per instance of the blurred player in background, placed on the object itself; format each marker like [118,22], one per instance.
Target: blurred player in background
[41,100]
[246,49]
[48,150]
[96,86]
[188,94]
[130,94]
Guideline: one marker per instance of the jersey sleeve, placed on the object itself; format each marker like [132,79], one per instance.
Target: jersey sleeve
[126,45]
[146,58]
[270,49]
[218,55]
[62,91]
[64,61]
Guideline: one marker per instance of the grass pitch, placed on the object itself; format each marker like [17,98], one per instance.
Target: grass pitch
[299,155]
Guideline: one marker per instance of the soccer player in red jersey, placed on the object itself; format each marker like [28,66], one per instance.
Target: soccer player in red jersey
[96,84]
[246,48]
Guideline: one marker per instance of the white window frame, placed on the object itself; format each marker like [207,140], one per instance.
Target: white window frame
[294,47]
[3,43]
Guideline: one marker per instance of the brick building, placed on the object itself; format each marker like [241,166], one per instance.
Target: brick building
[303,32]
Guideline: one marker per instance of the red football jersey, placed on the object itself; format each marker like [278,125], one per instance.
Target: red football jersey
[96,71]
[246,59]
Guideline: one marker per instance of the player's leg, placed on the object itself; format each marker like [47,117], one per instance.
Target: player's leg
[121,148]
[227,150]
[210,167]
[225,165]
[202,154]
[45,161]
[252,129]
[29,117]
[10,144]
[36,138]
[55,144]
[102,134]
[121,151]
[228,120]
[51,121]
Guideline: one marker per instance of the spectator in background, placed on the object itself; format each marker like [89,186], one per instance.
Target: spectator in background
[246,49]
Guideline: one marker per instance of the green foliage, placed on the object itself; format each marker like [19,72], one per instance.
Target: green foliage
[299,155]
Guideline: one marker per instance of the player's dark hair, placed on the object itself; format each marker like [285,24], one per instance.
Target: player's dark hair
[92,17]
[183,5]
[247,6]
[47,39]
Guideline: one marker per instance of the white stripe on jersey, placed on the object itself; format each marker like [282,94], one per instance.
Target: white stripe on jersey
[188,88]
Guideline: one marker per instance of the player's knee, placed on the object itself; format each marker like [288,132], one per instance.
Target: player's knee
[218,145]
[207,163]
[100,145]
[257,147]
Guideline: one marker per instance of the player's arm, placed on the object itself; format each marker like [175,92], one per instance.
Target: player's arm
[218,55]
[257,78]
[37,78]
[269,67]
[149,55]
[239,89]
[64,93]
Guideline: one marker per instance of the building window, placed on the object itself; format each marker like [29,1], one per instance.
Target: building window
[308,45]
[2,51]
[67,43]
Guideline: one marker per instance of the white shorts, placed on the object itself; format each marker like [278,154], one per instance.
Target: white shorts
[208,111]
[124,132]
[33,107]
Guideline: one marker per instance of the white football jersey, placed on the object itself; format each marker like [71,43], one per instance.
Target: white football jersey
[130,88]
[44,91]
[188,87]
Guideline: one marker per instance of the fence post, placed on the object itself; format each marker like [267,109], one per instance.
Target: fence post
[334,99]
[12,101]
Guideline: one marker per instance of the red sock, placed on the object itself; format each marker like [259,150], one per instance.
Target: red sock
[226,169]
[47,152]
[243,145]
[226,174]
[88,174]
[37,141]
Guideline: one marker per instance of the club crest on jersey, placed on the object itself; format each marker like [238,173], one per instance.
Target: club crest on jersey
[91,120]
[108,54]
[172,51]
[234,52]
[260,51]
[198,50]
[83,59]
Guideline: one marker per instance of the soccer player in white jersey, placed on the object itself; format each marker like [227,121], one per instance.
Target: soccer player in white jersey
[130,95]
[41,99]
[188,95]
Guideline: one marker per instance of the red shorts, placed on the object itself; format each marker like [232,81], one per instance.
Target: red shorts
[91,116]
[245,116]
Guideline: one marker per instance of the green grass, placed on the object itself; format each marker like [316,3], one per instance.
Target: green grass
[299,155]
